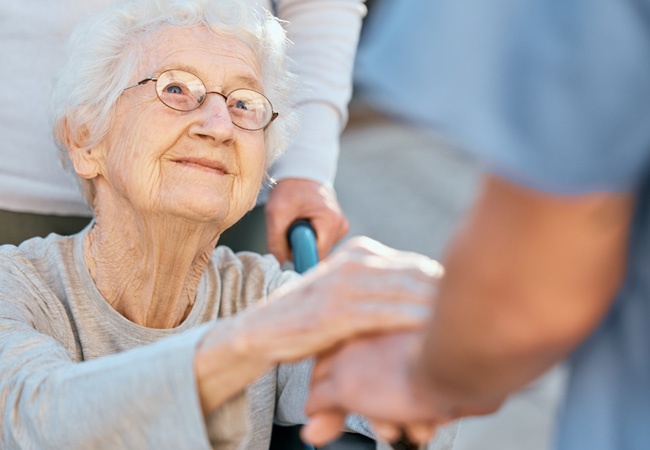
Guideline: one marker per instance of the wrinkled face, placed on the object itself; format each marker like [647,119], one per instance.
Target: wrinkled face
[194,164]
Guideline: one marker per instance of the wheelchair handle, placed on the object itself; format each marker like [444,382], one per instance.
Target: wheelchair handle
[302,240]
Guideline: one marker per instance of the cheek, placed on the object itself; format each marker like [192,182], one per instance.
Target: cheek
[254,164]
[256,153]
[132,163]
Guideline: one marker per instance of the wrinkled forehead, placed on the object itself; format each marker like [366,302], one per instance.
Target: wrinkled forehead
[217,59]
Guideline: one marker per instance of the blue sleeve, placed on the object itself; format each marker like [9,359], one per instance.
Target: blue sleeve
[551,93]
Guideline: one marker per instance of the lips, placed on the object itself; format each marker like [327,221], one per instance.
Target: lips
[204,164]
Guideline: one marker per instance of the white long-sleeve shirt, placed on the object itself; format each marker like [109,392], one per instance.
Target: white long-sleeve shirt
[32,37]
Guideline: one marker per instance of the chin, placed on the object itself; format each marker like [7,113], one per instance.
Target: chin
[197,210]
[205,215]
[208,206]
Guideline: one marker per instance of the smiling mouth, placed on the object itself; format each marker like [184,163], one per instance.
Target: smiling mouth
[204,165]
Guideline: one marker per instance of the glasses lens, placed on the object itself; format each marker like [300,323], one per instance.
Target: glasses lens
[249,109]
[180,90]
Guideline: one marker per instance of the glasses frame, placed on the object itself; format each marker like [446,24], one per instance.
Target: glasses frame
[154,78]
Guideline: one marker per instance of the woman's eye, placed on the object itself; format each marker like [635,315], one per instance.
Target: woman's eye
[173,89]
[241,105]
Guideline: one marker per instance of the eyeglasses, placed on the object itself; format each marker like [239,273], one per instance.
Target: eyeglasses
[184,91]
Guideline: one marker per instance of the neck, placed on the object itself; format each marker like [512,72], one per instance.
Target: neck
[148,269]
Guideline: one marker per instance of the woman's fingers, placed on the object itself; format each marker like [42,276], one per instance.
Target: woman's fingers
[404,437]
[364,288]
[386,431]
[323,427]
[291,344]
[420,433]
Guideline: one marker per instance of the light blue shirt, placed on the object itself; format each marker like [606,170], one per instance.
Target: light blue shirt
[554,94]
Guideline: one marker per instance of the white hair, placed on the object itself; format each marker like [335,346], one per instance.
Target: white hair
[104,52]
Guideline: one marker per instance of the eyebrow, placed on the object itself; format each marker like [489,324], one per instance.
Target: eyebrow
[183,67]
[239,81]
[247,82]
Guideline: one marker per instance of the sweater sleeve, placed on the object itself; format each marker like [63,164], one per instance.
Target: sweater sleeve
[144,398]
[325,34]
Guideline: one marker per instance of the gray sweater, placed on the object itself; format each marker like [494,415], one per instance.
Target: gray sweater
[76,374]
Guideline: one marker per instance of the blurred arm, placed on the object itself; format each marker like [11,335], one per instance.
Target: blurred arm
[528,276]
[325,34]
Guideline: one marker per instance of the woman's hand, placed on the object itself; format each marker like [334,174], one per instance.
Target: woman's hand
[363,288]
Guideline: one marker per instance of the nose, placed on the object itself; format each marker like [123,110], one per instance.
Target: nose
[213,120]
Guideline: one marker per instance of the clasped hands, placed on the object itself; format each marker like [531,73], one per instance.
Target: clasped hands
[379,375]
[373,375]
[362,312]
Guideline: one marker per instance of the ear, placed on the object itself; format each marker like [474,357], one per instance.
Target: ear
[85,160]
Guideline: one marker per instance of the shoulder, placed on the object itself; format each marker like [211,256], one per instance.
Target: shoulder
[250,267]
[248,277]
[31,277]
[544,103]
[23,261]
[35,258]
[225,258]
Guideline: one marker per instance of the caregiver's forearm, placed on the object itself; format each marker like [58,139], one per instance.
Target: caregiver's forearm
[528,277]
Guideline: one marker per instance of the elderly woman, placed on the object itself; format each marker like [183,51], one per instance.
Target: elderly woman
[131,333]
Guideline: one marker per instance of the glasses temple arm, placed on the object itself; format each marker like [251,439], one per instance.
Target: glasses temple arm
[146,80]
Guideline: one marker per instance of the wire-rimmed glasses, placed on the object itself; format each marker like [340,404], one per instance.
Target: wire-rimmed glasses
[184,91]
